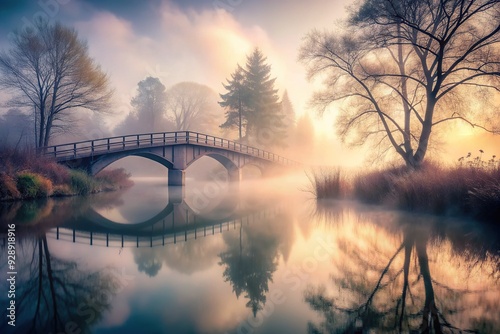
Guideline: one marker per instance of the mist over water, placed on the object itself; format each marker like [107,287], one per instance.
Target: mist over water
[257,257]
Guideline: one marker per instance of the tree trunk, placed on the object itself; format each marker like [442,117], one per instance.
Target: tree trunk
[430,312]
[41,131]
[51,280]
[48,128]
[408,242]
[423,143]
[404,99]
[239,116]
[40,275]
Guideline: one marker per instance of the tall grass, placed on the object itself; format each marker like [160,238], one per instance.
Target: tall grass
[82,183]
[373,187]
[327,183]
[466,190]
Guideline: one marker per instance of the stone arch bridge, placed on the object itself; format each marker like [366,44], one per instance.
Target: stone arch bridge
[174,150]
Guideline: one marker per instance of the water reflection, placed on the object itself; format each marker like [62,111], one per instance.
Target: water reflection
[249,262]
[384,279]
[216,269]
[54,294]
[184,257]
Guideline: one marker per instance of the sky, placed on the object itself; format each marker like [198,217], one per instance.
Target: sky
[176,40]
[192,40]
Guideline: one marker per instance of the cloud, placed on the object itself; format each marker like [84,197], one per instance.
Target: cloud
[188,45]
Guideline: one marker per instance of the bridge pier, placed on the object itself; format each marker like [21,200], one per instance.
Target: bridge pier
[234,175]
[176,177]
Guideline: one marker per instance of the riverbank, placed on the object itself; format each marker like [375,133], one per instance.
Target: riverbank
[24,175]
[468,190]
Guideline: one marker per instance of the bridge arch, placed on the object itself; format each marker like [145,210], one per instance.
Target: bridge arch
[107,160]
[231,167]
[252,165]
[174,150]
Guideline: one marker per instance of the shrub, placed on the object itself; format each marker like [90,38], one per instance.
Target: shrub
[24,174]
[82,183]
[27,160]
[28,185]
[8,188]
[62,190]
[31,185]
[52,170]
[44,186]
[114,179]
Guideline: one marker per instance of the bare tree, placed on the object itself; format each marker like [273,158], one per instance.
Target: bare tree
[48,70]
[404,67]
[193,106]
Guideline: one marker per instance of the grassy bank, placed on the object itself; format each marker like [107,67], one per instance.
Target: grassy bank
[23,175]
[470,191]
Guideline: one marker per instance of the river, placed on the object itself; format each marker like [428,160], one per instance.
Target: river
[261,257]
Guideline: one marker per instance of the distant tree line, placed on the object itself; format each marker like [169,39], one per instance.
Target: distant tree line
[186,106]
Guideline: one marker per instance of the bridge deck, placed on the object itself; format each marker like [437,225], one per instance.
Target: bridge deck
[97,147]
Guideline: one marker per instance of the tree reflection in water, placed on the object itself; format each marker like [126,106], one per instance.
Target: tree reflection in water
[252,256]
[249,264]
[148,261]
[382,279]
[53,295]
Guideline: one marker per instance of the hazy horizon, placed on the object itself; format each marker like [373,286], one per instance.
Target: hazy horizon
[200,41]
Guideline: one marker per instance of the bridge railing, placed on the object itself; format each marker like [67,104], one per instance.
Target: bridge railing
[90,148]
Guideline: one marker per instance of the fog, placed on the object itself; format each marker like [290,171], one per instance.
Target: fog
[201,43]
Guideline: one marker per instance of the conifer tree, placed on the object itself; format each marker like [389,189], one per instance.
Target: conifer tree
[252,103]
[235,101]
[265,122]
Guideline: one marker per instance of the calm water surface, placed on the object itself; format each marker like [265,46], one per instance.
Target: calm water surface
[259,259]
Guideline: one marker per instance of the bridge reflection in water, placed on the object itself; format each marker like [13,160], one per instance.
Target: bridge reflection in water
[177,222]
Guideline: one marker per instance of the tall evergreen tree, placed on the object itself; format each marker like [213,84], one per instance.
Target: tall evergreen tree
[265,123]
[252,103]
[235,101]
